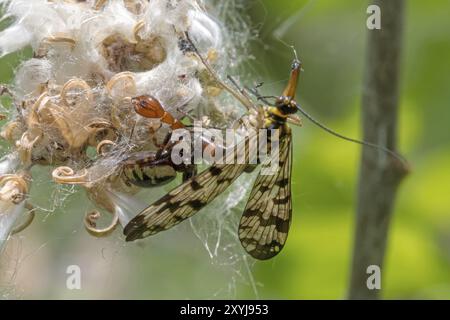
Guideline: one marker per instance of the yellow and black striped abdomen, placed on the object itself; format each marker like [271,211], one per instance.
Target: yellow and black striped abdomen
[147,169]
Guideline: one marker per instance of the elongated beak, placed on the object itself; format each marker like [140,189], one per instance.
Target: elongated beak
[293,81]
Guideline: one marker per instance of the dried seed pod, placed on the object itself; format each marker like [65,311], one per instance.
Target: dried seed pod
[121,86]
[66,175]
[137,54]
[90,223]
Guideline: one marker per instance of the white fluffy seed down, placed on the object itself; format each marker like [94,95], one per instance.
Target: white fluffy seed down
[44,25]
[89,58]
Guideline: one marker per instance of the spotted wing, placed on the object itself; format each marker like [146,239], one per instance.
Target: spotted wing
[264,226]
[187,199]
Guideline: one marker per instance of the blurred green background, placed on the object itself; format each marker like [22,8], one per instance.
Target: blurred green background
[330,39]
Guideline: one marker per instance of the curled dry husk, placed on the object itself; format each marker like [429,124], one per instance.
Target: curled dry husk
[13,191]
[72,100]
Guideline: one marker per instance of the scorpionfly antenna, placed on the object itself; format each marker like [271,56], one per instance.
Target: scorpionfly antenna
[332,132]
[361,142]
